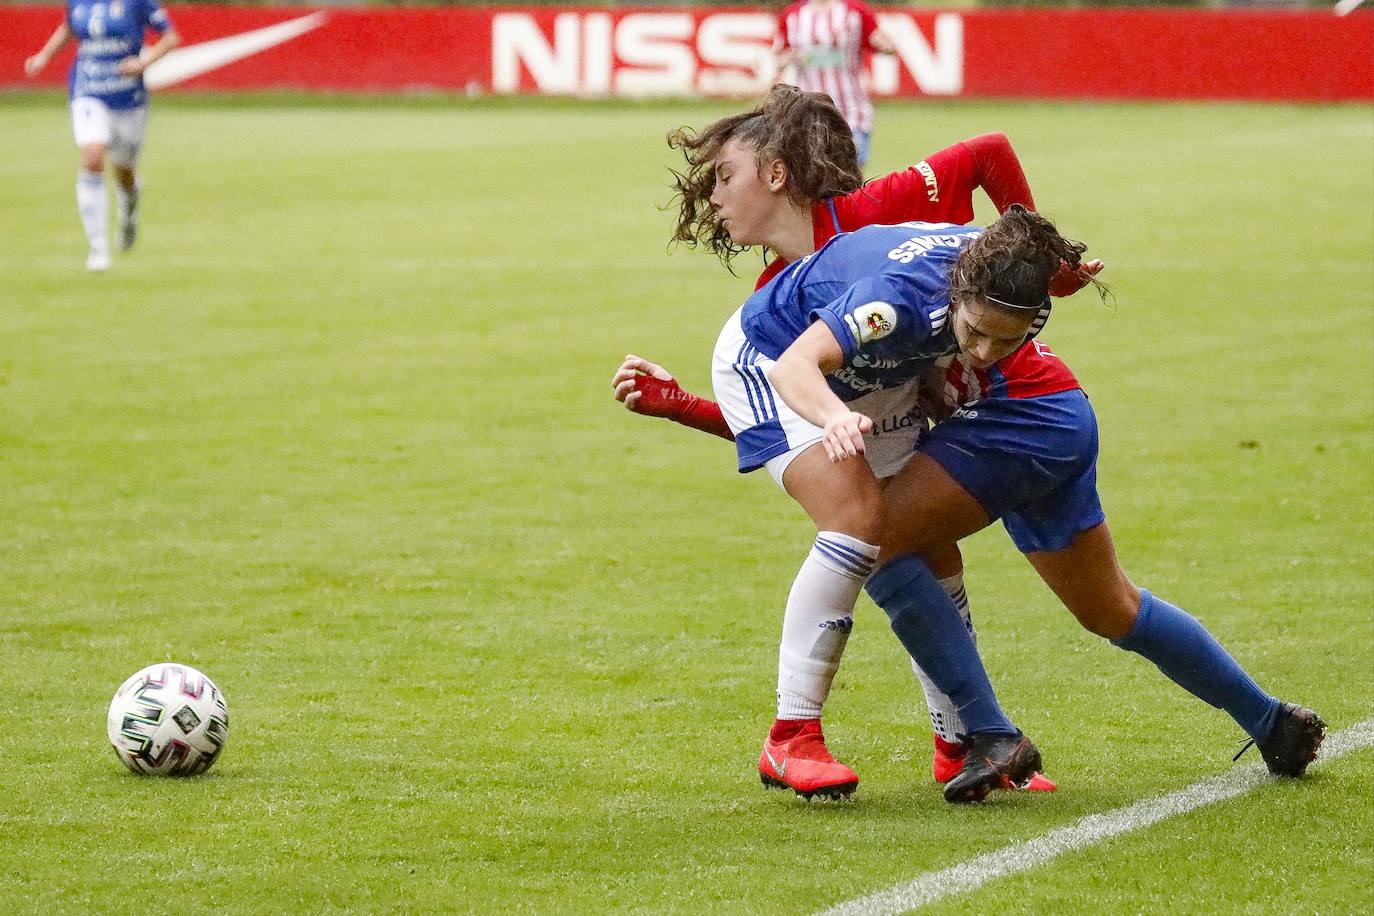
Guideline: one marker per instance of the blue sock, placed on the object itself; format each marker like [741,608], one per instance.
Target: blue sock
[1194,660]
[929,626]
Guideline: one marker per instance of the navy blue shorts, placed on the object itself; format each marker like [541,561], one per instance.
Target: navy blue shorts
[1032,462]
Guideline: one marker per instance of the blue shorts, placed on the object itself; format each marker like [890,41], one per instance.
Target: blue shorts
[1032,462]
[861,142]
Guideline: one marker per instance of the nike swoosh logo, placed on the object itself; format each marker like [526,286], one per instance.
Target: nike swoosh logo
[780,767]
[193,60]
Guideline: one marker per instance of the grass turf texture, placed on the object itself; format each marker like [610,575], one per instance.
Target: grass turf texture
[338,432]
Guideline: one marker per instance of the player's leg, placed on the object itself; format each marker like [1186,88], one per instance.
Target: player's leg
[126,142]
[91,130]
[844,502]
[924,506]
[921,505]
[1087,578]
[947,564]
[1063,532]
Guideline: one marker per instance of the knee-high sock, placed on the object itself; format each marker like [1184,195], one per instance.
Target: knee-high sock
[928,625]
[944,715]
[127,198]
[93,206]
[816,624]
[1194,660]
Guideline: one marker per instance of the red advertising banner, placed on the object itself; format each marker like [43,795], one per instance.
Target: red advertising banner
[1011,53]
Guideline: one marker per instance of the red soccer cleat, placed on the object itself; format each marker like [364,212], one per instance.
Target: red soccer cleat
[802,763]
[948,760]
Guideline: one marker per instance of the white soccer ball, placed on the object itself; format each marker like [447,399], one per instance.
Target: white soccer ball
[168,720]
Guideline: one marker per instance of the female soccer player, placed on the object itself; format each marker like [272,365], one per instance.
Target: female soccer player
[1031,461]
[813,191]
[823,42]
[109,106]
[886,290]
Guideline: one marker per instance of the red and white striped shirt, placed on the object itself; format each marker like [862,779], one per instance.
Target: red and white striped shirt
[829,38]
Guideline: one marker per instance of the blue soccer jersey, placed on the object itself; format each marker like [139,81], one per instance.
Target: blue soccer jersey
[882,290]
[107,31]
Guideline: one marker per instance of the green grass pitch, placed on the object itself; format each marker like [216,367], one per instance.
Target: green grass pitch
[339,432]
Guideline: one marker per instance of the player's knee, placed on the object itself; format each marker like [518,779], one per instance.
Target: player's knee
[943,559]
[93,158]
[1109,613]
[860,517]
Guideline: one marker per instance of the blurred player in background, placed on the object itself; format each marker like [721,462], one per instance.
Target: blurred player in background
[823,43]
[109,106]
[792,212]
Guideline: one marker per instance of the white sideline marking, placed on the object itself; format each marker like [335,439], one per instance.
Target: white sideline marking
[1347,6]
[967,876]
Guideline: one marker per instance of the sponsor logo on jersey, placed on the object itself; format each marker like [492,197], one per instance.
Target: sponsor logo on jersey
[848,377]
[932,185]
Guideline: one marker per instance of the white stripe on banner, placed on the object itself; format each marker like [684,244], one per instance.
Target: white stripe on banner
[193,60]
[1010,860]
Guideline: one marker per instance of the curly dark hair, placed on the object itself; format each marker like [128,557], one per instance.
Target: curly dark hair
[1010,264]
[803,129]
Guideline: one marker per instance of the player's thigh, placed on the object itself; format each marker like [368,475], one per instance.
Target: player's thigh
[127,129]
[92,125]
[1090,582]
[924,507]
[838,495]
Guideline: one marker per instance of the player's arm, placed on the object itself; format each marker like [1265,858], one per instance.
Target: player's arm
[874,36]
[36,64]
[649,389]
[997,170]
[799,376]
[168,39]
[784,52]
[881,42]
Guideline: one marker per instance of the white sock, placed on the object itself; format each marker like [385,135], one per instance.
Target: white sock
[944,715]
[93,206]
[128,200]
[816,624]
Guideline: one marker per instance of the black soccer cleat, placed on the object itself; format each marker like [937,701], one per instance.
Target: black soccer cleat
[1293,741]
[994,761]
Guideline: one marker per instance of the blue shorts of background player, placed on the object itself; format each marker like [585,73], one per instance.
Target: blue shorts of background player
[1032,462]
[862,140]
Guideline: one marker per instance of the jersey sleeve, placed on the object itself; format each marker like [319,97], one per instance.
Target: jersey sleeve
[938,189]
[888,308]
[155,17]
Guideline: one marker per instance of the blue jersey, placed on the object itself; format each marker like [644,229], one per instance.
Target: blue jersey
[884,293]
[107,31]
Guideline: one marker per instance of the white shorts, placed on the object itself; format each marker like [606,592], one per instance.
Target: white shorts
[119,131]
[770,434]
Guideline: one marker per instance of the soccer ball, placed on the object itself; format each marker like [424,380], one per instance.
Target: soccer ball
[168,720]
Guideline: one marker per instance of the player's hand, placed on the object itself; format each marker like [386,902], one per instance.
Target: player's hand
[34,65]
[626,382]
[132,66]
[1067,281]
[844,435]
